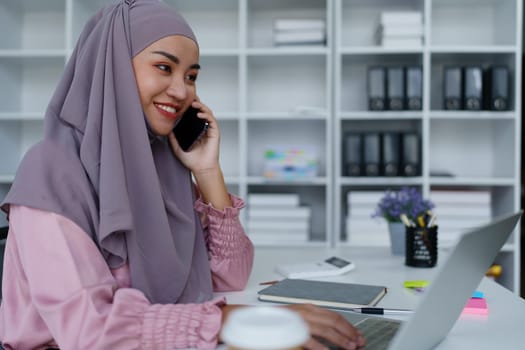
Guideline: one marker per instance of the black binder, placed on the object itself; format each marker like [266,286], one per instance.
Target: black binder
[497,88]
[376,89]
[452,88]
[411,160]
[395,89]
[390,152]
[353,150]
[414,88]
[371,153]
[472,88]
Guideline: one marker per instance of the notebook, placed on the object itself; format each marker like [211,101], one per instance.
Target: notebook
[322,293]
[464,268]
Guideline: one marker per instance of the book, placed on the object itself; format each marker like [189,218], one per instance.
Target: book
[299,37]
[363,211]
[322,293]
[284,24]
[401,17]
[277,213]
[402,42]
[278,225]
[364,197]
[273,199]
[400,30]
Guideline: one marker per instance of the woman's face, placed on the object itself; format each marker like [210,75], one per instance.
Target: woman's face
[166,72]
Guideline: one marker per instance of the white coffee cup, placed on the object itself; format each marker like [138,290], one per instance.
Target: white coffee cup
[264,328]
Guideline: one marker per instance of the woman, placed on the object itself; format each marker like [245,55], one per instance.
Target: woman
[111,244]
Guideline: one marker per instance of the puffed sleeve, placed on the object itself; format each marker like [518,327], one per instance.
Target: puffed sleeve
[58,289]
[231,251]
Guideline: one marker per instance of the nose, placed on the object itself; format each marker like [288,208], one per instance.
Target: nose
[177,88]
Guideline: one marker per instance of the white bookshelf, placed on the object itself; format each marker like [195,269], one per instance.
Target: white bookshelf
[302,95]
[482,149]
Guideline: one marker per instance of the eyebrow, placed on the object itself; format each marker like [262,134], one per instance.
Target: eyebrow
[175,59]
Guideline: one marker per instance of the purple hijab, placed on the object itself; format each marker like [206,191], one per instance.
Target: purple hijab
[98,166]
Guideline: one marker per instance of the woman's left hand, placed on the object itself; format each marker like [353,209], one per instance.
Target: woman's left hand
[204,154]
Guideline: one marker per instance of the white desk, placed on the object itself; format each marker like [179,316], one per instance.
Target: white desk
[503,328]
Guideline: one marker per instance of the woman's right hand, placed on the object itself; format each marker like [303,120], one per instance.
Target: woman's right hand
[330,326]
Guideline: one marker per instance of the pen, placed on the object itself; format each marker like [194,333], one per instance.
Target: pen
[381,311]
[268,283]
[406,220]
[432,221]
[421,221]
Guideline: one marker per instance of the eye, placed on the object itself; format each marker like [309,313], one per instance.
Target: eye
[164,67]
[191,77]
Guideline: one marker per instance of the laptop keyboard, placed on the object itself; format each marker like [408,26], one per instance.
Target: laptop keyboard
[378,332]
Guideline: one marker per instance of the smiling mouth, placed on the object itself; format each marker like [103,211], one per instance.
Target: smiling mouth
[168,111]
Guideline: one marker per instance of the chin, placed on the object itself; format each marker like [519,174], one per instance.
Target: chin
[161,129]
[161,132]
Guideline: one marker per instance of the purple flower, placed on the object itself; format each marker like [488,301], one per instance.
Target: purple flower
[406,201]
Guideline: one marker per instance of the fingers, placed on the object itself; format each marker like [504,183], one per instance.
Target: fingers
[201,107]
[329,326]
[206,113]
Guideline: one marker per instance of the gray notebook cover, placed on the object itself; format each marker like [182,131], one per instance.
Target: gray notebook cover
[322,293]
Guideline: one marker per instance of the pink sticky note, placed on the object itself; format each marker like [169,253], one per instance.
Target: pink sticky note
[476,306]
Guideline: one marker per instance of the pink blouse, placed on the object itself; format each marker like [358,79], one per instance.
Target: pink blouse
[58,289]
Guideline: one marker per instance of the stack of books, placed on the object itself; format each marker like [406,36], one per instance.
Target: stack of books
[400,29]
[460,210]
[299,32]
[361,228]
[277,218]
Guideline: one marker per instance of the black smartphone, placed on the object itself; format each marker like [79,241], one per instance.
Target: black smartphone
[189,128]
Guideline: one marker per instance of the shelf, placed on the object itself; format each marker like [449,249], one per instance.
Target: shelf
[481,148]
[37,117]
[32,24]
[471,181]
[34,53]
[219,53]
[472,115]
[458,49]
[304,78]
[381,115]
[206,17]
[380,50]
[28,82]
[262,14]
[473,23]
[6,179]
[381,181]
[218,83]
[260,180]
[305,96]
[299,50]
[290,116]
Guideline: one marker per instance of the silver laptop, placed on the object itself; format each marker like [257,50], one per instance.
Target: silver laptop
[464,268]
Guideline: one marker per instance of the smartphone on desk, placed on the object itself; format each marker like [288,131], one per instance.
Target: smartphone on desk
[189,129]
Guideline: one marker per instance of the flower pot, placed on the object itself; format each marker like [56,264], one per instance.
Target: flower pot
[397,238]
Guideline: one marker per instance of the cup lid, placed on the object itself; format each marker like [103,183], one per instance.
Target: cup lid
[264,328]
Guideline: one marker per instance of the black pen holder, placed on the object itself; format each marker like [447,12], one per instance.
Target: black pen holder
[421,246]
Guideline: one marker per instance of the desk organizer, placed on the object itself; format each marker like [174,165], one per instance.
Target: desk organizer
[421,246]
